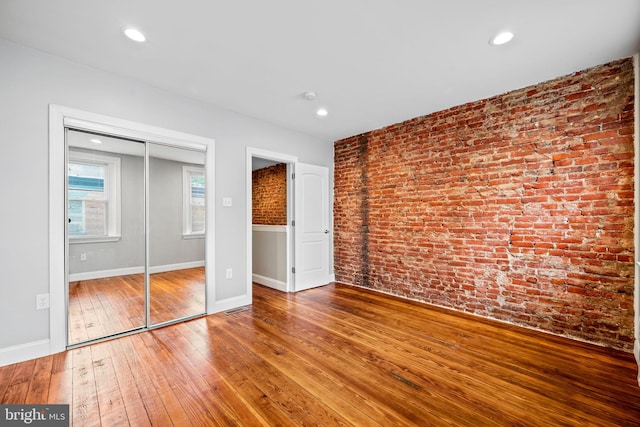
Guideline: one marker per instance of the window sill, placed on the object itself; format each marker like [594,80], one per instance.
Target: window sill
[193,236]
[74,240]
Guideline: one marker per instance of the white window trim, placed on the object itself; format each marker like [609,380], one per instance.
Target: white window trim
[112,184]
[186,202]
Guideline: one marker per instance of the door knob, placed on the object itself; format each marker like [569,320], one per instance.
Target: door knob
[326,231]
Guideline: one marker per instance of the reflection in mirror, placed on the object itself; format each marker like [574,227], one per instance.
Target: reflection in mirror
[176,233]
[106,241]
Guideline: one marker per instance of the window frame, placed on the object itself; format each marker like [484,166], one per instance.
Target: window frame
[187,217]
[112,190]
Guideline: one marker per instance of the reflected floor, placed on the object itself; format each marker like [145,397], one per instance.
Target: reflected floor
[103,307]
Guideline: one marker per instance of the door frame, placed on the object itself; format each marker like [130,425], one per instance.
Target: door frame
[290,160]
[61,117]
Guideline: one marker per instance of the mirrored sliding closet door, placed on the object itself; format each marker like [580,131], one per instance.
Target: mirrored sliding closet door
[135,235]
[106,236]
[176,233]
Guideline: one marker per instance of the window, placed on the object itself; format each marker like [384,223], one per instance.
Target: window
[93,183]
[194,205]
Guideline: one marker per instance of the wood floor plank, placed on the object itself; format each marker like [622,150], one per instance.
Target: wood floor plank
[578,372]
[405,366]
[19,381]
[212,386]
[6,373]
[531,384]
[311,353]
[274,386]
[306,375]
[183,383]
[260,405]
[61,385]
[108,390]
[376,379]
[336,355]
[40,381]
[129,387]
[85,409]
[160,403]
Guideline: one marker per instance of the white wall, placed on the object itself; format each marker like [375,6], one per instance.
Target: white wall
[29,82]
[166,245]
[270,255]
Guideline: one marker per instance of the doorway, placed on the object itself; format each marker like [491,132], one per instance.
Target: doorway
[270,224]
[307,231]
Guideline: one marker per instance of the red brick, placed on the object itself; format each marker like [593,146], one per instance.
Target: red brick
[269,195]
[518,207]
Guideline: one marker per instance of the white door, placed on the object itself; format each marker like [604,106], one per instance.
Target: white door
[311,230]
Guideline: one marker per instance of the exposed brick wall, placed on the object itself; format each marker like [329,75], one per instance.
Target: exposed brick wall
[270,195]
[517,207]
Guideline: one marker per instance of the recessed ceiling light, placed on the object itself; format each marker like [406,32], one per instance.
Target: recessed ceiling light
[95,141]
[322,112]
[134,34]
[502,38]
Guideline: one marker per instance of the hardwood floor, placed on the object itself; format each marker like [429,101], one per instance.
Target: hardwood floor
[103,307]
[335,355]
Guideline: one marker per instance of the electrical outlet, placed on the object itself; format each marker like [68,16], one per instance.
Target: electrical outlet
[229,273]
[83,257]
[227,202]
[42,301]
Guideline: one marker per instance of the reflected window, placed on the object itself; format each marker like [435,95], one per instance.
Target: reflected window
[194,201]
[93,196]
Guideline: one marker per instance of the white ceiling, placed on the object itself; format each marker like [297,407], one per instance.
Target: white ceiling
[371,62]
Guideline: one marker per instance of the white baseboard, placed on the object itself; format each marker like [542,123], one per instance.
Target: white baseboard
[272,283]
[101,274]
[228,304]
[22,352]
[172,267]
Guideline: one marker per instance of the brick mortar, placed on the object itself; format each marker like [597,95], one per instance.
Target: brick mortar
[517,207]
[269,195]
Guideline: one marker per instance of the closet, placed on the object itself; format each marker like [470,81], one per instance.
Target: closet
[135,235]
